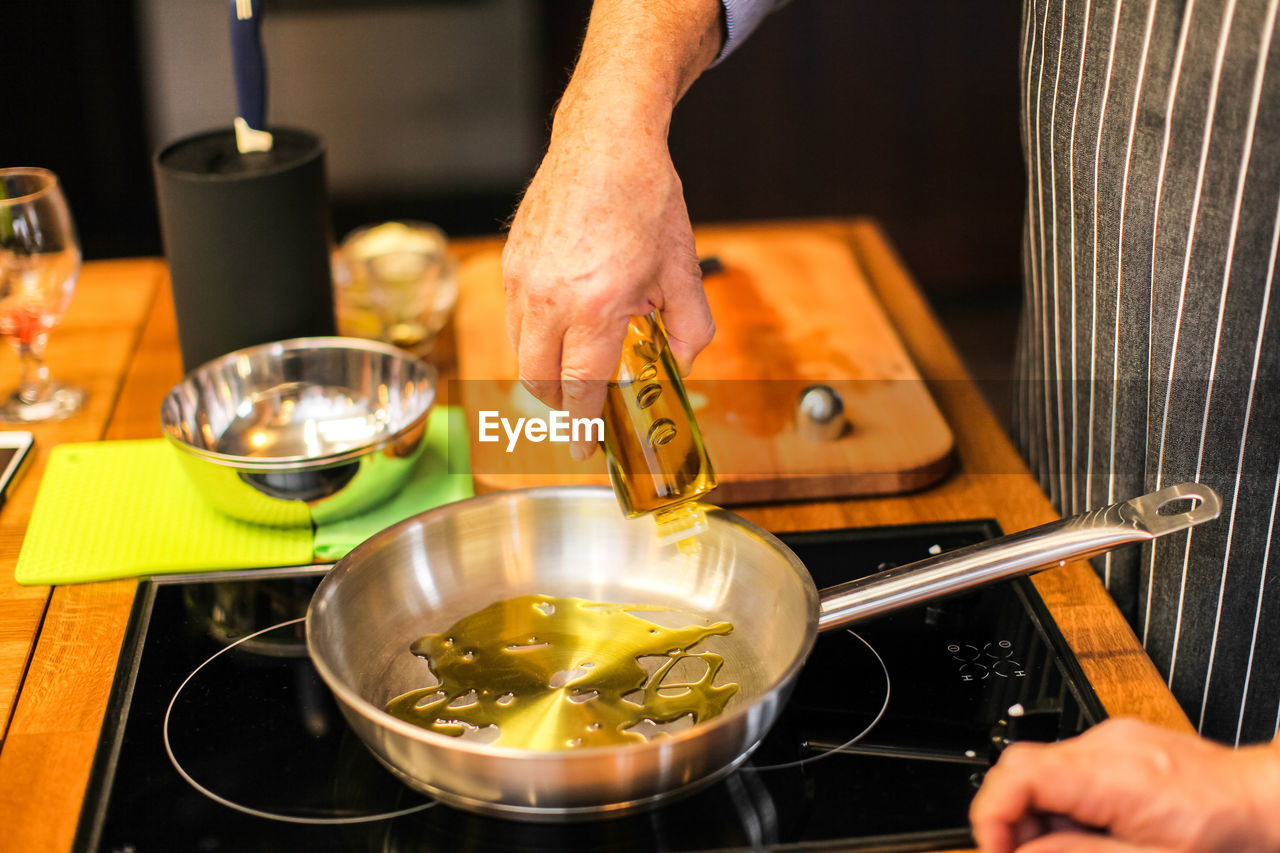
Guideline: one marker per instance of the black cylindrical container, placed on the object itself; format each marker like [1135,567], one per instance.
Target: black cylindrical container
[248,239]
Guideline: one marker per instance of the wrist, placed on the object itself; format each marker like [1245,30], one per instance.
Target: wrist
[595,109]
[614,128]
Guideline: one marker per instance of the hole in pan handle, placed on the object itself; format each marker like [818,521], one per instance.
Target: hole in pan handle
[1175,508]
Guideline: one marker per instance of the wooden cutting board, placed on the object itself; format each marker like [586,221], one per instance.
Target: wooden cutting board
[792,308]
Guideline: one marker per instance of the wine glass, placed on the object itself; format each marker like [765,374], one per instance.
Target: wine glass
[39,264]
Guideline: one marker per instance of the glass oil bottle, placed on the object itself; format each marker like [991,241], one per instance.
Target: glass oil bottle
[654,451]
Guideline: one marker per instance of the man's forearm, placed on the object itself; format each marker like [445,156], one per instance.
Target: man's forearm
[638,59]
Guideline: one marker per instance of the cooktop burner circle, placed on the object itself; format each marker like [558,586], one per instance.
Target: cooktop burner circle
[873,658]
[196,722]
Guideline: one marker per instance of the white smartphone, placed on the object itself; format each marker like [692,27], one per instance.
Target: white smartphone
[15,452]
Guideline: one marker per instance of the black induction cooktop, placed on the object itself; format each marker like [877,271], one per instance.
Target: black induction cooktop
[220,736]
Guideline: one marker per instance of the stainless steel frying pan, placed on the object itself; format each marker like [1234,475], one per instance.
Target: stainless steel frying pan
[425,573]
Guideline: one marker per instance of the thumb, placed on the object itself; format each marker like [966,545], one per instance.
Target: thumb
[685,314]
[1081,841]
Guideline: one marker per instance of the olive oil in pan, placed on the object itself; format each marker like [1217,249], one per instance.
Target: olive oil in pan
[561,673]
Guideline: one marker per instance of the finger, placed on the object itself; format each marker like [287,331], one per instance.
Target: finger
[1028,828]
[511,285]
[515,316]
[541,341]
[515,324]
[685,312]
[1081,842]
[1060,823]
[589,361]
[1002,807]
[1032,827]
[1062,779]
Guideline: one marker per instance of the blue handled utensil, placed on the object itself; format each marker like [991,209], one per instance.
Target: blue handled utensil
[250,71]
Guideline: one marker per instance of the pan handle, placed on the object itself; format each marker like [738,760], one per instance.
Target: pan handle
[1078,537]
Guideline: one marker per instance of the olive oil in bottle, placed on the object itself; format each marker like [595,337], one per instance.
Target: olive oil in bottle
[653,448]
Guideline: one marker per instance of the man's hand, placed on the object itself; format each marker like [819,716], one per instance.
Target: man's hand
[1130,787]
[602,233]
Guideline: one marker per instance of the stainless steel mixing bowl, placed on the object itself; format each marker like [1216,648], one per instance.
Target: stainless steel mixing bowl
[301,431]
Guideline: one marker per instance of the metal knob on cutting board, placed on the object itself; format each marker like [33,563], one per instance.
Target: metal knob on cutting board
[820,414]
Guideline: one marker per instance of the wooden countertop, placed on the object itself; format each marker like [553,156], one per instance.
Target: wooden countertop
[58,647]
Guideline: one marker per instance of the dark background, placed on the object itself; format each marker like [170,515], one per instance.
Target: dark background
[903,111]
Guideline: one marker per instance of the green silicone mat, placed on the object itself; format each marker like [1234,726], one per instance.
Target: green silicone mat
[120,509]
[124,508]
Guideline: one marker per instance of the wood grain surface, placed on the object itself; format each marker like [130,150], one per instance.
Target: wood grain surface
[91,347]
[792,308]
[132,357]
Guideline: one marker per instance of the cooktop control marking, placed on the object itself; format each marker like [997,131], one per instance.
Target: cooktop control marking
[979,664]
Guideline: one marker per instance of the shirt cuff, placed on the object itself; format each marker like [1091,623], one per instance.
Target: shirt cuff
[741,17]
